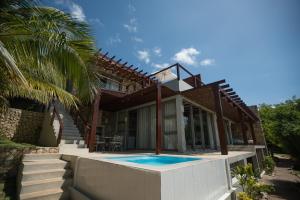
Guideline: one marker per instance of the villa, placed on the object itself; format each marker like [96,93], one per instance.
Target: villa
[203,129]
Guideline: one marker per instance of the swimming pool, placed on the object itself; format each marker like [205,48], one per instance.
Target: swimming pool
[154,160]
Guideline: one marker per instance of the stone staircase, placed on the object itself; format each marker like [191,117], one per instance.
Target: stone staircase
[44,177]
[72,142]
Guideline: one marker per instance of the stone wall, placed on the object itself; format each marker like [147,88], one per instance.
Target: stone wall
[21,125]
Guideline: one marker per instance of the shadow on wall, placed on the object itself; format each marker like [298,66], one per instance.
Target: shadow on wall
[47,136]
[28,127]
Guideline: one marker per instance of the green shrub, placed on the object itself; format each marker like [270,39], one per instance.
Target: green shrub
[6,143]
[269,165]
[252,189]
[243,196]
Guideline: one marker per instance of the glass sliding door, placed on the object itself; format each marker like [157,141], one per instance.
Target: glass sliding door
[132,129]
[188,126]
[205,129]
[169,125]
[197,127]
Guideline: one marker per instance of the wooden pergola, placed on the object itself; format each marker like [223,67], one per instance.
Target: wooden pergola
[153,90]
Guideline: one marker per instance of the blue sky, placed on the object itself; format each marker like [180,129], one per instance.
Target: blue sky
[253,44]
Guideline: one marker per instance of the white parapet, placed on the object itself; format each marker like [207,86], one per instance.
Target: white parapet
[201,179]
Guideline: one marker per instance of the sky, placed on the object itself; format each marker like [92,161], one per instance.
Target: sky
[253,44]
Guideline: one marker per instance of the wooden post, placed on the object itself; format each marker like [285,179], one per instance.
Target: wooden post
[253,133]
[195,81]
[92,137]
[178,72]
[220,121]
[158,119]
[244,132]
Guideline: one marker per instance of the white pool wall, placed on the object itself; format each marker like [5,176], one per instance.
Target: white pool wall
[205,180]
[98,179]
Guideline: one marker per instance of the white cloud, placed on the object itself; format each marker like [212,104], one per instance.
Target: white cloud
[207,62]
[157,51]
[131,8]
[77,11]
[114,39]
[131,26]
[187,56]
[144,55]
[96,21]
[160,66]
[137,39]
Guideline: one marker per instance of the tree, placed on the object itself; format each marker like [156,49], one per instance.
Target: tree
[40,49]
[281,124]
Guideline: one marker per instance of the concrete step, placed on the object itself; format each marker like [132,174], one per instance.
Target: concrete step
[44,184]
[46,174]
[71,138]
[72,146]
[68,134]
[52,194]
[71,128]
[71,133]
[72,151]
[63,141]
[43,165]
[44,156]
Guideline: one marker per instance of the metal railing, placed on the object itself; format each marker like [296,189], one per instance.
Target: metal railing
[61,123]
[82,124]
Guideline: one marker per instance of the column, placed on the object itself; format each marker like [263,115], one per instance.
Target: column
[92,135]
[220,122]
[202,129]
[181,143]
[192,126]
[158,120]
[230,133]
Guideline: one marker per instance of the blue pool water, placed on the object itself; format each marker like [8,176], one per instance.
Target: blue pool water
[154,160]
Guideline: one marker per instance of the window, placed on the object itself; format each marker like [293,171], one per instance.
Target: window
[109,84]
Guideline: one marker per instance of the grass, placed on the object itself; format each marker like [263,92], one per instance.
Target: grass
[8,185]
[6,143]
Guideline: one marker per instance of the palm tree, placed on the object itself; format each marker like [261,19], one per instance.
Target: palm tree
[40,49]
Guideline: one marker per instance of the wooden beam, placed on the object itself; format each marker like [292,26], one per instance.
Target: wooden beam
[234,96]
[220,121]
[92,138]
[104,55]
[216,82]
[228,90]
[158,119]
[111,59]
[124,65]
[237,99]
[231,93]
[224,86]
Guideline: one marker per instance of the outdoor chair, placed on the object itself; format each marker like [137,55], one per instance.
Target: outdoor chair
[116,143]
[100,143]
